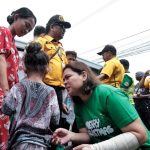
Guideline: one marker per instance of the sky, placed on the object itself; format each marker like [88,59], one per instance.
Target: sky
[95,23]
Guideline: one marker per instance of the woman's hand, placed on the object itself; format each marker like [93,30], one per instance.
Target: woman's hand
[82,147]
[61,136]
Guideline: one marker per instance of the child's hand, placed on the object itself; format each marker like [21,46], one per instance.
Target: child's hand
[65,109]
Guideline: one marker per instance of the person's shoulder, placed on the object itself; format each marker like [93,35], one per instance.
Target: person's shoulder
[4,30]
[112,61]
[116,60]
[104,88]
[103,91]
[40,39]
[23,82]
[17,86]
[118,64]
[46,39]
[49,88]
[147,82]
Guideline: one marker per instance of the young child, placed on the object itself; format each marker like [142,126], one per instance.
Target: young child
[32,105]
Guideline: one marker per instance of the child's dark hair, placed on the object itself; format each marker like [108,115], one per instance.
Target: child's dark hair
[125,63]
[73,53]
[35,59]
[22,13]
[38,30]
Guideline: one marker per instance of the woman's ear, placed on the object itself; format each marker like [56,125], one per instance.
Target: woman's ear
[84,74]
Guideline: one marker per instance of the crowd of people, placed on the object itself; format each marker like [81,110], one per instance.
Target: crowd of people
[60,103]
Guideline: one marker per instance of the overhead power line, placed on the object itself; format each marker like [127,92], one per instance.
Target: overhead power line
[129,50]
[134,51]
[135,48]
[95,12]
[115,41]
[92,57]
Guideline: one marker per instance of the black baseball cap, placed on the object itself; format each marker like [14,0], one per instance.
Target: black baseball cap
[108,48]
[58,19]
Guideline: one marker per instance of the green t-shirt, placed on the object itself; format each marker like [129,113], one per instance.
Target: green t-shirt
[128,86]
[105,113]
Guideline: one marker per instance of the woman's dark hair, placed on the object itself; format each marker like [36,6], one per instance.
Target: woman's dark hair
[22,13]
[91,80]
[35,59]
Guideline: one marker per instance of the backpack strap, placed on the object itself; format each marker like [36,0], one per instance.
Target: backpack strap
[57,49]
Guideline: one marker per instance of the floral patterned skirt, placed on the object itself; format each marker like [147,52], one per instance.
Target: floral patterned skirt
[4,125]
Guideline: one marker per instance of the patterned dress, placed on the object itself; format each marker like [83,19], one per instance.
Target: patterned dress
[8,48]
[32,107]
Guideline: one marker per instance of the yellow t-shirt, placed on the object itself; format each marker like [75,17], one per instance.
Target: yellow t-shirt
[147,82]
[56,64]
[115,71]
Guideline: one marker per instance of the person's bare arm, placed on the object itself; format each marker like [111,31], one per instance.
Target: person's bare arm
[63,136]
[132,137]
[141,83]
[102,77]
[81,137]
[138,129]
[3,74]
[140,96]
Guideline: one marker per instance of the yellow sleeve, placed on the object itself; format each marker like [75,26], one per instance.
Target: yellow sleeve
[108,68]
[41,41]
[147,83]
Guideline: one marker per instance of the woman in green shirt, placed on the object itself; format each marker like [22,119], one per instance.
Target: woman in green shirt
[104,114]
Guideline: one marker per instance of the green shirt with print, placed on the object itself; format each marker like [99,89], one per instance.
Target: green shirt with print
[105,113]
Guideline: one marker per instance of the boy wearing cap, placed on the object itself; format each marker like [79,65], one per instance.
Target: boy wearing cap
[55,30]
[128,83]
[138,76]
[113,71]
